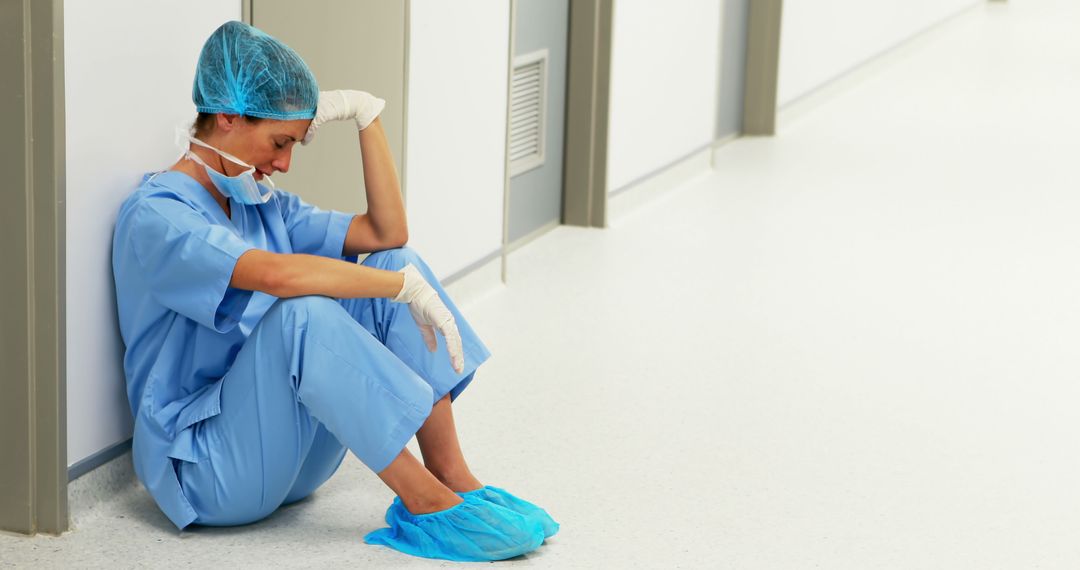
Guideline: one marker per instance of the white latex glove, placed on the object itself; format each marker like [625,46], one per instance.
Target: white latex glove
[344,104]
[430,314]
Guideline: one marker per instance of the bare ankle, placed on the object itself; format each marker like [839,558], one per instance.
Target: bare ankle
[459,480]
[419,490]
[422,505]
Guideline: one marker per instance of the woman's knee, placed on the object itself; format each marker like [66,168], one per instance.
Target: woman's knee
[310,307]
[290,323]
[393,259]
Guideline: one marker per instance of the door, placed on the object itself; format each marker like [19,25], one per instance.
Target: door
[537,118]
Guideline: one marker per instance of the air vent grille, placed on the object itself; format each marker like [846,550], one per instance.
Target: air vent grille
[528,111]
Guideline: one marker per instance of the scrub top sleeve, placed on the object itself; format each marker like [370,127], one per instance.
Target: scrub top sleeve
[313,230]
[187,262]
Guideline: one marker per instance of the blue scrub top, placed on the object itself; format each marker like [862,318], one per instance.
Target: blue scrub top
[174,251]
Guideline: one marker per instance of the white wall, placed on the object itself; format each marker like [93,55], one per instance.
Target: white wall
[665,59]
[456,132]
[128,68]
[822,39]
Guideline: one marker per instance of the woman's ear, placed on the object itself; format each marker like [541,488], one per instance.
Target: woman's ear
[227,122]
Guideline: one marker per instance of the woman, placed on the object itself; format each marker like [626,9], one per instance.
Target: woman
[258,350]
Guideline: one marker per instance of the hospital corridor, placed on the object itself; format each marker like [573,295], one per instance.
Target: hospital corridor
[848,340]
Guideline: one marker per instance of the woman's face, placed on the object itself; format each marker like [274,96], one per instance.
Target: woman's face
[266,144]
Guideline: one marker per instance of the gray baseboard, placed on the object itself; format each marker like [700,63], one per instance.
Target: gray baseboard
[98,459]
[630,200]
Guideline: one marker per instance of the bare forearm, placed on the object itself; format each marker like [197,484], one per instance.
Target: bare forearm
[286,275]
[386,208]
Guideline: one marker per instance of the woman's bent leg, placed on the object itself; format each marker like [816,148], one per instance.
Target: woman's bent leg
[393,325]
[306,363]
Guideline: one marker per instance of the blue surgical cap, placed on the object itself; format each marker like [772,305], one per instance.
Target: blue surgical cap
[244,71]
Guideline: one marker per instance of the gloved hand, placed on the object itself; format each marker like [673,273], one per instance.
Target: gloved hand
[343,104]
[430,313]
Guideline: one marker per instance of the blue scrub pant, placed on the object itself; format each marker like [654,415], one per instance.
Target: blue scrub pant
[317,376]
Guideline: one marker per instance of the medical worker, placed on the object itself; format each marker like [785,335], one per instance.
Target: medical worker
[258,351]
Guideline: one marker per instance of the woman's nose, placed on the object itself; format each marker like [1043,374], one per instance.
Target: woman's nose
[281,163]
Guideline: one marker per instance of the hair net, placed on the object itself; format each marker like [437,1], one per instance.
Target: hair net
[244,71]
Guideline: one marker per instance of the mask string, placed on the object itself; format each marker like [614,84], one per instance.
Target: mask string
[221,161]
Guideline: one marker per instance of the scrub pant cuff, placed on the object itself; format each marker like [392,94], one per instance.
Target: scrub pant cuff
[398,438]
[476,354]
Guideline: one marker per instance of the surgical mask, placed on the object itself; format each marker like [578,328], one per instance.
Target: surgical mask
[241,188]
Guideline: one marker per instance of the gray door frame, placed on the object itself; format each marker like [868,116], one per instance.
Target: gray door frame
[33,410]
[762,67]
[588,82]
[505,249]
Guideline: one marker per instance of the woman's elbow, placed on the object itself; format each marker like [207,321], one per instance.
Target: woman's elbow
[277,283]
[399,239]
[259,270]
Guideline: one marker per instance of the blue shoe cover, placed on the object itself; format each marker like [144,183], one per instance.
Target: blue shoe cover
[473,531]
[507,500]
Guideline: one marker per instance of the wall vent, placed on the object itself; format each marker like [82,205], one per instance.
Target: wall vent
[528,111]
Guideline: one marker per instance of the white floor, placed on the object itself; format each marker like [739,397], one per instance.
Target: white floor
[852,346]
